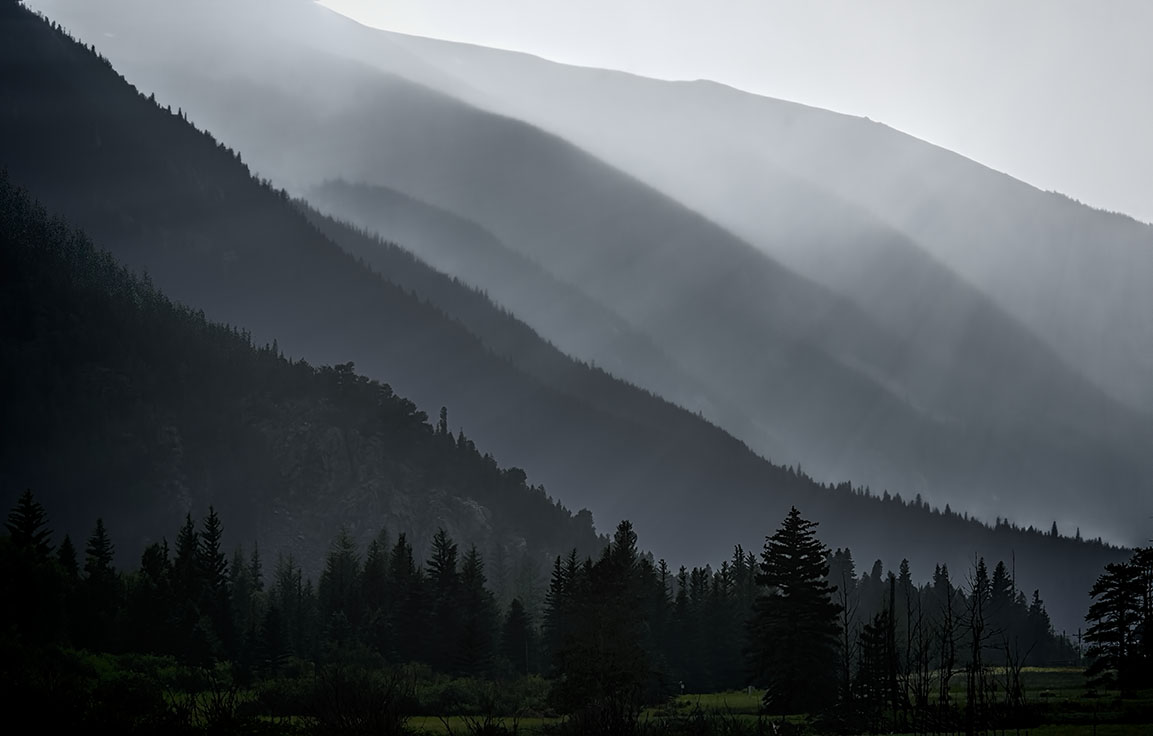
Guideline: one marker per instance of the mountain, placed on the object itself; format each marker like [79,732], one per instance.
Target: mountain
[126,406]
[896,372]
[466,251]
[169,199]
[1018,292]
[1075,276]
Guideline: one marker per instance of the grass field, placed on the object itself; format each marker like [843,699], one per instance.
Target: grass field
[460,725]
[1059,691]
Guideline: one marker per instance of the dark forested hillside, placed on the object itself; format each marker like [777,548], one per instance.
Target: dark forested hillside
[560,312]
[508,337]
[168,199]
[122,405]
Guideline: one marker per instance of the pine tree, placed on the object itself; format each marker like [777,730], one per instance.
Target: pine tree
[101,590]
[216,603]
[192,638]
[28,527]
[339,587]
[186,571]
[149,604]
[66,556]
[1143,560]
[516,642]
[1001,600]
[557,625]
[1115,618]
[475,646]
[255,568]
[603,666]
[242,593]
[444,599]
[1038,628]
[32,585]
[875,689]
[793,632]
[283,630]
[98,554]
[407,614]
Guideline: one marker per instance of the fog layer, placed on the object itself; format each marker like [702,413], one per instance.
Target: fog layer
[877,355]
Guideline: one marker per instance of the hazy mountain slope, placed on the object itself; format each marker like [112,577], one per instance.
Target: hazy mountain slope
[163,193]
[154,412]
[464,250]
[301,116]
[1076,276]
[974,421]
[513,340]
[169,200]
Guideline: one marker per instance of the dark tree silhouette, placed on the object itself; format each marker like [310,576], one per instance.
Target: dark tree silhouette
[101,591]
[793,632]
[474,642]
[516,643]
[216,603]
[1119,626]
[28,526]
[602,668]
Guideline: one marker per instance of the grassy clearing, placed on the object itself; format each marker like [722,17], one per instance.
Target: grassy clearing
[459,725]
[1111,729]
[736,701]
[1059,691]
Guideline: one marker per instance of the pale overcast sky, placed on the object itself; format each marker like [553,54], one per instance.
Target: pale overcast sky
[1057,93]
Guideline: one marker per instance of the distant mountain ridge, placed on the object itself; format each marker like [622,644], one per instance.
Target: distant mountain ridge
[577,324]
[1037,254]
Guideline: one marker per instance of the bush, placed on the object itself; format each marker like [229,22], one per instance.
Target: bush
[348,699]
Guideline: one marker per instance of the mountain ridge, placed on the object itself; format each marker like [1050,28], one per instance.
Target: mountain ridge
[152,186]
[869,162]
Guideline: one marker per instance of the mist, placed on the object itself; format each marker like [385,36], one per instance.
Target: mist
[887,290]
[517,388]
[852,304]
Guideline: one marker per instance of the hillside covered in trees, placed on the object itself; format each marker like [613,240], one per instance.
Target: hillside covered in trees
[127,406]
[168,199]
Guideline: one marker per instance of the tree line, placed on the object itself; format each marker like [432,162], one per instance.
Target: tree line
[615,632]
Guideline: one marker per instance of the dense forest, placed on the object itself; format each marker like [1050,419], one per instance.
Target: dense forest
[159,411]
[194,638]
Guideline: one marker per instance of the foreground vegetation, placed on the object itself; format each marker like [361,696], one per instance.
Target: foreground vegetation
[141,694]
[193,643]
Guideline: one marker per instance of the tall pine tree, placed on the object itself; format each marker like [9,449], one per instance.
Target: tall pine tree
[793,632]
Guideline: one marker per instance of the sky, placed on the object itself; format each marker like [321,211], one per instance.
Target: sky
[1056,93]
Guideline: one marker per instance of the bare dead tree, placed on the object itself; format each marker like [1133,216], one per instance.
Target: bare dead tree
[977,680]
[849,601]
